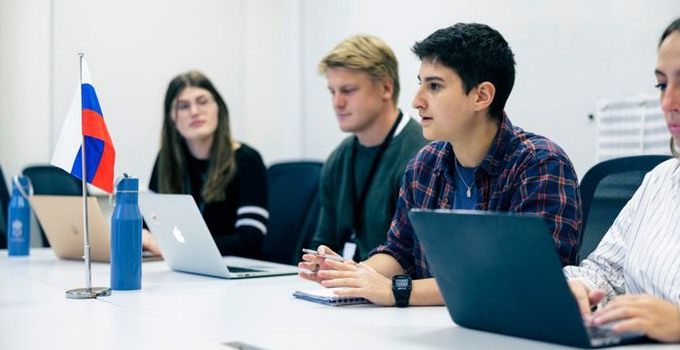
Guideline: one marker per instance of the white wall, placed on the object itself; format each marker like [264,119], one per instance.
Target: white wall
[262,56]
[133,49]
[568,55]
[24,83]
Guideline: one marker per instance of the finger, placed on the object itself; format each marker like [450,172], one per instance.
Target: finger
[583,305]
[594,297]
[156,251]
[309,276]
[322,249]
[312,258]
[348,292]
[581,295]
[335,274]
[340,282]
[306,265]
[635,324]
[612,313]
[345,266]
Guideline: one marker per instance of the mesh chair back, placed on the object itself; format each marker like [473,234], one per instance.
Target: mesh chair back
[293,209]
[50,180]
[605,190]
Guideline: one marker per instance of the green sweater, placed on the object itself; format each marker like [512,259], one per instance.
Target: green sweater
[337,209]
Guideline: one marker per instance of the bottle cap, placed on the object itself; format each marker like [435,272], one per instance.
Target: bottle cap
[128,184]
[22,184]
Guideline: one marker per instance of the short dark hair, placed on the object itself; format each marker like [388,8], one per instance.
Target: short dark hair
[675,25]
[477,53]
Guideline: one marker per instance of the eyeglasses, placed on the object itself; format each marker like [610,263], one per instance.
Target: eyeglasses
[183,108]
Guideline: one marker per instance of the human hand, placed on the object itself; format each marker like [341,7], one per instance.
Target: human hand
[149,243]
[312,263]
[585,298]
[657,318]
[358,280]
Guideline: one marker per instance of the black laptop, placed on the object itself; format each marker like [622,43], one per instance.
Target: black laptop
[501,273]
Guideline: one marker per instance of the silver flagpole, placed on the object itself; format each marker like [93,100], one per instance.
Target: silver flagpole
[88,292]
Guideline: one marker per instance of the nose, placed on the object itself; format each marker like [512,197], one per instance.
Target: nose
[339,100]
[418,101]
[193,108]
[670,98]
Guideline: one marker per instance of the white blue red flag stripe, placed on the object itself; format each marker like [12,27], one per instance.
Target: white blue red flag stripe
[85,121]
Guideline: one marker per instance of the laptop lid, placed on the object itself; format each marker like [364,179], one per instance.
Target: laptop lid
[186,242]
[61,218]
[501,273]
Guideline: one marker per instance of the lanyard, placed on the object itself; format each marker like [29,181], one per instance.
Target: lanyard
[359,203]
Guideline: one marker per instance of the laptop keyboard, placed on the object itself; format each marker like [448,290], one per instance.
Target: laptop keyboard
[241,269]
[600,336]
[604,335]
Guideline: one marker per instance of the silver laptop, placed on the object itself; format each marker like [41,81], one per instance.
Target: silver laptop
[61,218]
[187,245]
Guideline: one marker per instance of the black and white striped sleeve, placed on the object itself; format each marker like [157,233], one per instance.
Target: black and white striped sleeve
[639,253]
[252,214]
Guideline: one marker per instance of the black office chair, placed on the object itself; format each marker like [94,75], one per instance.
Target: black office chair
[605,190]
[293,209]
[4,202]
[50,180]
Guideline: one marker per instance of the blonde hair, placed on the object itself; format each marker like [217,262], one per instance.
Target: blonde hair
[365,53]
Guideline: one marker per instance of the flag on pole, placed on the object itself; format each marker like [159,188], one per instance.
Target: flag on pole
[85,124]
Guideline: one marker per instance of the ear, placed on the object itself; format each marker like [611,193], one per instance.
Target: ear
[388,88]
[485,93]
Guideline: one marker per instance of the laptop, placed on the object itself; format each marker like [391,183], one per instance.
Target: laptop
[187,245]
[61,218]
[501,273]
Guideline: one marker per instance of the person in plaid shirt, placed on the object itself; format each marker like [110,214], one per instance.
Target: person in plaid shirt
[480,161]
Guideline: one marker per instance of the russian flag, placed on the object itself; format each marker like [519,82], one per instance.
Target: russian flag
[85,123]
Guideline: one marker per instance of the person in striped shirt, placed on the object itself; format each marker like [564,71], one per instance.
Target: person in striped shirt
[634,273]
[480,161]
[198,157]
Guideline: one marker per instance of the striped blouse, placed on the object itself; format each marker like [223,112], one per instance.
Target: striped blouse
[641,251]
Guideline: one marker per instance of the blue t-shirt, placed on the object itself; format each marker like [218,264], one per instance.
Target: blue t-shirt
[461,200]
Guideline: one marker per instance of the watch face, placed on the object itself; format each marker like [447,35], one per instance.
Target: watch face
[402,282]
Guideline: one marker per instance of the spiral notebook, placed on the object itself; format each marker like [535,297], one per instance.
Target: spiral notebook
[327,297]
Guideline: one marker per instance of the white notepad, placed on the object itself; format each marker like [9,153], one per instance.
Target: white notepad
[327,297]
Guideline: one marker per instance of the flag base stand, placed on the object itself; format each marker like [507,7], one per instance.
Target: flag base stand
[88,293]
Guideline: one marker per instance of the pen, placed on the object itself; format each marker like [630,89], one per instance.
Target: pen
[325,256]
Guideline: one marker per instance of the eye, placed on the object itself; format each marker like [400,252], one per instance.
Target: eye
[202,102]
[434,86]
[183,106]
[661,86]
[348,91]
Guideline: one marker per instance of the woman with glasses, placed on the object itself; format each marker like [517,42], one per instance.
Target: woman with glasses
[199,157]
[635,270]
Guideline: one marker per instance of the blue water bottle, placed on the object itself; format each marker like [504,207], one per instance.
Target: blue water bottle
[19,217]
[126,237]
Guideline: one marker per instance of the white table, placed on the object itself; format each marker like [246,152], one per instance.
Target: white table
[179,310]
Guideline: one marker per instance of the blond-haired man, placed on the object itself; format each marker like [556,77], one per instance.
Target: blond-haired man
[360,181]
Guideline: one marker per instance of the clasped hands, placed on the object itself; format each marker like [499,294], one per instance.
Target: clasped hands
[352,278]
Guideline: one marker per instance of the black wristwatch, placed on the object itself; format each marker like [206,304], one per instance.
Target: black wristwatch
[401,287]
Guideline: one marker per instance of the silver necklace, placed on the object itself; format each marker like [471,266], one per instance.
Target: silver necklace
[469,188]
